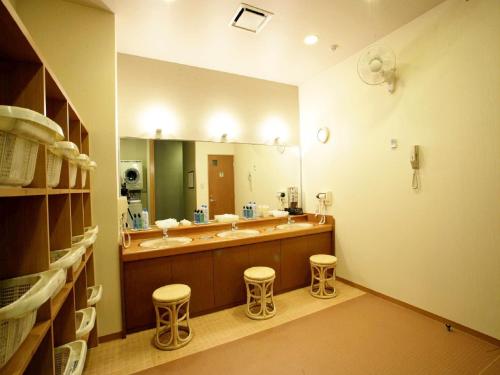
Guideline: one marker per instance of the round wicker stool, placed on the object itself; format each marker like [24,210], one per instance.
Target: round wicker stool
[171,304]
[323,275]
[259,283]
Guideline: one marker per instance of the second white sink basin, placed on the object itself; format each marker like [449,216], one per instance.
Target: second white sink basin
[238,233]
[165,242]
[294,226]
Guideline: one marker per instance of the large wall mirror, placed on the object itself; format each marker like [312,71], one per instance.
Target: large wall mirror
[172,178]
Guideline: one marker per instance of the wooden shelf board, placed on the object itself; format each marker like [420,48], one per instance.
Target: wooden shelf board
[88,252]
[21,359]
[21,192]
[80,191]
[76,274]
[85,337]
[59,300]
[54,191]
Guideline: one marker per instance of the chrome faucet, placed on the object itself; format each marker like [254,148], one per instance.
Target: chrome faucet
[290,220]
[234,225]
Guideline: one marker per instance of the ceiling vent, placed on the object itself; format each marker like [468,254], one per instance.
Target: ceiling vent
[250,18]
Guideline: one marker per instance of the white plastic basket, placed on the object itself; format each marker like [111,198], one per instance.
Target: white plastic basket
[91,230]
[85,321]
[54,164]
[86,165]
[20,299]
[67,258]
[73,169]
[21,130]
[84,240]
[70,358]
[58,151]
[17,160]
[94,294]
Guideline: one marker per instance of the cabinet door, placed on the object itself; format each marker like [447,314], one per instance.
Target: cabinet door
[295,253]
[267,254]
[294,263]
[320,243]
[140,279]
[195,270]
[229,265]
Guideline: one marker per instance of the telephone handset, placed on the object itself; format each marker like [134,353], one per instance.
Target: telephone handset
[414,158]
[415,165]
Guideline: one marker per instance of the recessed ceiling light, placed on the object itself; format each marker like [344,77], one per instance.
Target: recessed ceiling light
[311,39]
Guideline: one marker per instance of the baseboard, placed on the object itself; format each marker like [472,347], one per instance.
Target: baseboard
[455,325]
[111,337]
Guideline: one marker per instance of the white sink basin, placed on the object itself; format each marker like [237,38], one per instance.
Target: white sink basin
[294,226]
[165,242]
[238,233]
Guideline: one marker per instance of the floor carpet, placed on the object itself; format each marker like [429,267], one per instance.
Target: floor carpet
[366,335]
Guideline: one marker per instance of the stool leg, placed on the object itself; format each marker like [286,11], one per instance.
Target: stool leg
[260,302]
[169,322]
[270,307]
[163,325]
[322,284]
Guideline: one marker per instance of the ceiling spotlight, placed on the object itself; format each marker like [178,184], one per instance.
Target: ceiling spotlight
[311,39]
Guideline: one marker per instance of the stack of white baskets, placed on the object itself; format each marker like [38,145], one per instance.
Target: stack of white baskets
[21,131]
[85,165]
[20,299]
[58,152]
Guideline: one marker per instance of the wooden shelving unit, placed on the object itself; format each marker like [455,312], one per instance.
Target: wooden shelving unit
[36,219]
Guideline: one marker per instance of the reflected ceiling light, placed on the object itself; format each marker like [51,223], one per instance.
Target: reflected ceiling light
[159,121]
[222,127]
[311,39]
[274,131]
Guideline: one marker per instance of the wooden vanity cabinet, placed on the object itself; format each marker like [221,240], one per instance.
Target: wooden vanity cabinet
[267,254]
[216,276]
[195,270]
[231,262]
[295,253]
[143,277]
[229,265]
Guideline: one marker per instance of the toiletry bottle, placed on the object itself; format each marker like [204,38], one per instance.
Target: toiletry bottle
[135,221]
[201,216]
[205,213]
[254,210]
[195,216]
[139,222]
[145,219]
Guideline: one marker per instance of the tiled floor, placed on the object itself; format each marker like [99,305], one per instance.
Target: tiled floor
[137,352]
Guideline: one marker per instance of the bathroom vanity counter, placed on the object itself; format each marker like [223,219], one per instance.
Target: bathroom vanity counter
[204,236]
[213,266]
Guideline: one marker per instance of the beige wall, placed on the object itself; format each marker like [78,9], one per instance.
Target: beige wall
[191,103]
[438,248]
[79,46]
[271,171]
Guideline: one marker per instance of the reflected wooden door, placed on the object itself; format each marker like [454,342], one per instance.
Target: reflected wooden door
[220,185]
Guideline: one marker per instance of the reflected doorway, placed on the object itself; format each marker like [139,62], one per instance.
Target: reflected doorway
[220,185]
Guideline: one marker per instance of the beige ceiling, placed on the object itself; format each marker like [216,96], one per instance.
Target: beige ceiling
[197,32]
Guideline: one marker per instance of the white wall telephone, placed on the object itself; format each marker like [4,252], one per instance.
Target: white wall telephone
[414,158]
[415,165]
